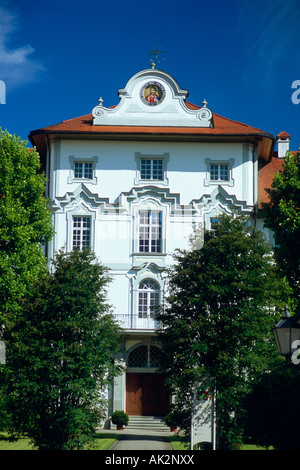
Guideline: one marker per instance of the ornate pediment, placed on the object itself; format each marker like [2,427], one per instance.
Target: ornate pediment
[220,201]
[152,98]
[83,196]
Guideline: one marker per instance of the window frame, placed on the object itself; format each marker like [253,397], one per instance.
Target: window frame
[150,228]
[213,221]
[229,163]
[83,170]
[220,167]
[148,298]
[80,210]
[139,181]
[152,170]
[84,160]
[82,231]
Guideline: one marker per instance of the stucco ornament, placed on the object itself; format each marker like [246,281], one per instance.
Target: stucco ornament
[152,93]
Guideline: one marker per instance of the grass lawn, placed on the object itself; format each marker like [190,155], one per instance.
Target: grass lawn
[253,447]
[178,443]
[101,442]
[20,444]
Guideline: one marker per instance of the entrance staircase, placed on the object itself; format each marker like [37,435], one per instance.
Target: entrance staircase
[151,423]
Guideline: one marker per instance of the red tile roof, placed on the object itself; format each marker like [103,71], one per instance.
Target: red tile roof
[265,177]
[283,135]
[222,126]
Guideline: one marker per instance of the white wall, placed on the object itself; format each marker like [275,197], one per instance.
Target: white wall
[186,169]
[116,169]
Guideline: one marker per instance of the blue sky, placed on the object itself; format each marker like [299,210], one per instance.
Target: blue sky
[58,57]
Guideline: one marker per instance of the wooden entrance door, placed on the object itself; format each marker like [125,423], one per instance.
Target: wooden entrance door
[146,395]
[133,395]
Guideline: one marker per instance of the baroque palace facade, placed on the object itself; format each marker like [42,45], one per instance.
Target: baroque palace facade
[133,182]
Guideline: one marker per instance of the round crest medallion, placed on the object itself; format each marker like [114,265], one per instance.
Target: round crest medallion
[152,93]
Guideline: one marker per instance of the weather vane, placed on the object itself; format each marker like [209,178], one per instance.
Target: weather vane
[155,54]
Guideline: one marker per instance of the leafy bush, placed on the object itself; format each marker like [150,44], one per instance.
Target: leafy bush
[120,417]
[172,419]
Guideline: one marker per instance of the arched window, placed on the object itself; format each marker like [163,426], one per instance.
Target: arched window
[138,357]
[148,298]
[145,356]
[155,358]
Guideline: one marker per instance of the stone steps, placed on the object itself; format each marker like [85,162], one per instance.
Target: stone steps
[152,423]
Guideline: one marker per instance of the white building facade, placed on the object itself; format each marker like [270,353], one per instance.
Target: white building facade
[133,182]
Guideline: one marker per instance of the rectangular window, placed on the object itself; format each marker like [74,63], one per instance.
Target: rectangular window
[152,169]
[150,232]
[213,222]
[81,232]
[154,303]
[219,172]
[143,304]
[83,170]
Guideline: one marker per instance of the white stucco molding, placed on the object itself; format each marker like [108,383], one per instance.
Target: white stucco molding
[218,202]
[137,196]
[159,195]
[83,194]
[169,110]
[147,269]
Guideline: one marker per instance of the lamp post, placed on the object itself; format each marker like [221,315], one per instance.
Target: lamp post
[287,337]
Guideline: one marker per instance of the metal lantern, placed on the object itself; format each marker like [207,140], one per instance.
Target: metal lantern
[286,332]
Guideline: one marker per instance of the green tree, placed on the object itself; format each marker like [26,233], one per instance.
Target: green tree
[60,353]
[25,223]
[217,321]
[282,215]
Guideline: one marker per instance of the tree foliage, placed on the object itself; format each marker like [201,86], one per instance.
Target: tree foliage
[25,222]
[217,320]
[282,215]
[60,353]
